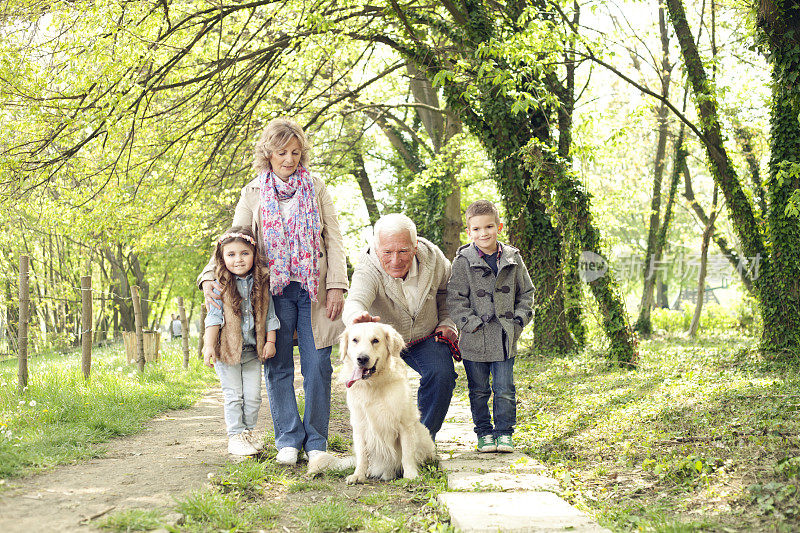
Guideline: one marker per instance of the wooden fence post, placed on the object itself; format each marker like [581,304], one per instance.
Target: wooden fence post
[22,330]
[202,329]
[87,325]
[184,332]
[137,320]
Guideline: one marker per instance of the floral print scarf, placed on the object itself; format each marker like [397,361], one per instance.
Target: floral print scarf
[292,244]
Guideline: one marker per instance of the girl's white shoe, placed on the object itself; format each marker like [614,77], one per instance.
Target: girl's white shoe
[287,456]
[239,445]
[250,436]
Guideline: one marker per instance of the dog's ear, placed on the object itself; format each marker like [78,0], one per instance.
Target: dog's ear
[343,345]
[394,340]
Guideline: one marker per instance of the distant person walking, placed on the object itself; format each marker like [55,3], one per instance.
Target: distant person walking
[293,216]
[175,327]
[240,333]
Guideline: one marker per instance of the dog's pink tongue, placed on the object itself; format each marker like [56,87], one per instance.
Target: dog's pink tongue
[358,373]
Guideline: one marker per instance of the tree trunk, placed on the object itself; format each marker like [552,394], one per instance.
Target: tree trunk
[741,211]
[701,282]
[570,199]
[662,295]
[571,248]
[643,324]
[452,222]
[143,284]
[708,230]
[362,178]
[722,243]
[121,291]
[532,231]
[780,281]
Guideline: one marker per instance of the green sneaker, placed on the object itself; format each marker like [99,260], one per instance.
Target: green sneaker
[487,444]
[505,443]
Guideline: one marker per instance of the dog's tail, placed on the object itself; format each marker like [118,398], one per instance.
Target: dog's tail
[326,461]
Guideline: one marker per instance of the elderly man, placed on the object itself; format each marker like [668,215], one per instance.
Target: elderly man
[401,280]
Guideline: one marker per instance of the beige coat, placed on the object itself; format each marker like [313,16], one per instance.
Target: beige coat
[332,262]
[375,291]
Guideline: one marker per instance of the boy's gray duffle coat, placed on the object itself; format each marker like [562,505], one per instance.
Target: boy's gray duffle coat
[483,305]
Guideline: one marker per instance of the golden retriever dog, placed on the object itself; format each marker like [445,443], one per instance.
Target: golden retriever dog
[388,438]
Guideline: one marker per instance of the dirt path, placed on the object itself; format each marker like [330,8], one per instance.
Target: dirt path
[172,456]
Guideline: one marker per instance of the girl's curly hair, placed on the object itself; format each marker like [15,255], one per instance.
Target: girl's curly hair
[275,136]
[227,279]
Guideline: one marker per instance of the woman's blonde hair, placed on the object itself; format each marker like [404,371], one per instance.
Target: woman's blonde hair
[275,136]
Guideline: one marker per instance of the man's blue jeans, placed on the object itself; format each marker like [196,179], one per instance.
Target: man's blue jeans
[433,362]
[293,309]
[504,405]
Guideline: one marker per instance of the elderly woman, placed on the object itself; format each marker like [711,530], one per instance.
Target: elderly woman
[402,280]
[293,213]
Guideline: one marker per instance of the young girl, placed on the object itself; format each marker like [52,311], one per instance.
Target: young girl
[241,334]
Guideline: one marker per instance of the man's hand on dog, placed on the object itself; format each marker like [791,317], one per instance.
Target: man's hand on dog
[366,317]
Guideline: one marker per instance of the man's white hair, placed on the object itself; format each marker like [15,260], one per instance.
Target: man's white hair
[392,224]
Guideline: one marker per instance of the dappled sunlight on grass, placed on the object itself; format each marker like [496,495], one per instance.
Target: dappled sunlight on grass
[61,417]
[688,439]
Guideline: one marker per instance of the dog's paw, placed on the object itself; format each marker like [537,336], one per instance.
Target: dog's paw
[354,479]
[410,473]
[388,476]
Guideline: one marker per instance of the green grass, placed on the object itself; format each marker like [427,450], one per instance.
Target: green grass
[246,477]
[61,418]
[210,510]
[133,520]
[258,494]
[331,515]
[704,435]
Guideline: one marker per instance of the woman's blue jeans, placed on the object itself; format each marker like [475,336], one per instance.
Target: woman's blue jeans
[434,363]
[504,405]
[293,309]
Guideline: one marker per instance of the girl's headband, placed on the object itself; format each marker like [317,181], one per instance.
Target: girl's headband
[248,238]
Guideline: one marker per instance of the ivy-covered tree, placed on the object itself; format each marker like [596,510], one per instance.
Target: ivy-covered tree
[773,250]
[496,65]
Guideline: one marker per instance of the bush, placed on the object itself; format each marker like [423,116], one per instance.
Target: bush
[714,317]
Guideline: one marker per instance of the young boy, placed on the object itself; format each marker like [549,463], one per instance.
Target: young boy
[490,297]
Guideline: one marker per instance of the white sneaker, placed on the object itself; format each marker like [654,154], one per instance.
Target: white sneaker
[239,445]
[254,441]
[287,456]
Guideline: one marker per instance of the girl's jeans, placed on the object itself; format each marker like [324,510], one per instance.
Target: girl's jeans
[241,388]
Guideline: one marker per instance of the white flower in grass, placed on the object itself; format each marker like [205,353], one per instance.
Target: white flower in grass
[22,402]
[32,403]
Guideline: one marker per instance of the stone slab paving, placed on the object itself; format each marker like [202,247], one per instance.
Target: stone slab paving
[492,512]
[503,492]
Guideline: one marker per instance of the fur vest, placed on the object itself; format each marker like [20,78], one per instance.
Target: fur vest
[229,347]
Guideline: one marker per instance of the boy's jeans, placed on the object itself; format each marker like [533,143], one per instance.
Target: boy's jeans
[505,400]
[241,388]
[433,362]
[293,309]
